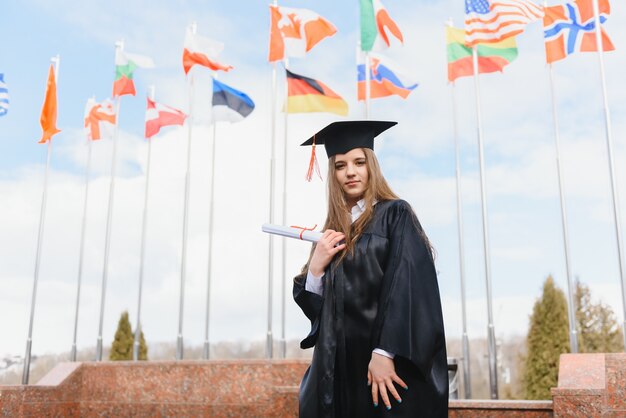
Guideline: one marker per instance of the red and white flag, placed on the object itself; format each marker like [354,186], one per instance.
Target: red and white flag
[293,32]
[95,113]
[202,51]
[159,115]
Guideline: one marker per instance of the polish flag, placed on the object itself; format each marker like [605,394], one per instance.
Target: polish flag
[202,51]
[293,32]
[159,115]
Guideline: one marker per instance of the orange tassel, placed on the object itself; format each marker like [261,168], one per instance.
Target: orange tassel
[313,165]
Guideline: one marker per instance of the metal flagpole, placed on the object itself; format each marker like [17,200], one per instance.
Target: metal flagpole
[283,340]
[144,225]
[207,346]
[571,309]
[183,268]
[609,145]
[459,213]
[269,345]
[107,242]
[42,217]
[367,85]
[82,248]
[491,336]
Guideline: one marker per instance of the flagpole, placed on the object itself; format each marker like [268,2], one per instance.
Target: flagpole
[42,217]
[283,340]
[459,204]
[207,346]
[269,344]
[142,256]
[491,337]
[571,310]
[367,85]
[82,248]
[107,243]
[609,145]
[183,268]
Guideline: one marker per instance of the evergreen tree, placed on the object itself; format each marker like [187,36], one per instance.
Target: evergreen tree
[143,347]
[122,347]
[548,338]
[598,329]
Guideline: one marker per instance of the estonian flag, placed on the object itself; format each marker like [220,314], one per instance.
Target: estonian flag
[229,104]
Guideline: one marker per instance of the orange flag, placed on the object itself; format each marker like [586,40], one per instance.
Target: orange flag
[49,112]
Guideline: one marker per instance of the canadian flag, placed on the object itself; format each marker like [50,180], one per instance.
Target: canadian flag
[202,51]
[159,115]
[294,32]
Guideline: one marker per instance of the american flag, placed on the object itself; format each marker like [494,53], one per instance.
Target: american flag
[488,21]
[4,96]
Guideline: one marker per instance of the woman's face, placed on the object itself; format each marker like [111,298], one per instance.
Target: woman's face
[352,175]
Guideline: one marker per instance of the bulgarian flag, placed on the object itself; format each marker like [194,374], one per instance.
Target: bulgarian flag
[202,51]
[159,115]
[96,113]
[376,25]
[125,65]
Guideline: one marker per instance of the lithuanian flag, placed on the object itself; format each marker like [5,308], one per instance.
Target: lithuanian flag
[491,57]
[309,95]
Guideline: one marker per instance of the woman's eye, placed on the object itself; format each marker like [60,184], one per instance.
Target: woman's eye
[339,166]
[360,162]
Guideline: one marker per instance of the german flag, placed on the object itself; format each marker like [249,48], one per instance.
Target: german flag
[309,95]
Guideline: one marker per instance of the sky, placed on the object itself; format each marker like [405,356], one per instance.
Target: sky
[417,157]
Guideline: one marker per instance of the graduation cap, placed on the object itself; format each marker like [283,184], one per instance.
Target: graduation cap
[341,137]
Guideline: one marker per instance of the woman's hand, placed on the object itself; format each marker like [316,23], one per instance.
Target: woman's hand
[325,250]
[381,374]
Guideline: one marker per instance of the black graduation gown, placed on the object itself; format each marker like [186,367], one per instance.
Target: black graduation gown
[383,295]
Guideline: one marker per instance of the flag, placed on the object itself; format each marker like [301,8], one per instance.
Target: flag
[49,111]
[571,27]
[229,104]
[492,57]
[96,113]
[386,79]
[125,65]
[489,21]
[202,51]
[4,96]
[376,25]
[159,115]
[293,32]
[308,95]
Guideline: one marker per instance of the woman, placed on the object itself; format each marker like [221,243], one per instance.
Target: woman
[370,290]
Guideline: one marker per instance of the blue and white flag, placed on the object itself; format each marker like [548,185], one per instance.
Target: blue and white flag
[4,96]
[229,104]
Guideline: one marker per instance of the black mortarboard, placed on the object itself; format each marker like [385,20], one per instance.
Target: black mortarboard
[341,137]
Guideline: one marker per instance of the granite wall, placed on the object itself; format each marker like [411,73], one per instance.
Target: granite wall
[590,385]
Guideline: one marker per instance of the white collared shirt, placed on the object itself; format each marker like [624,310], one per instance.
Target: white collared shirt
[315,284]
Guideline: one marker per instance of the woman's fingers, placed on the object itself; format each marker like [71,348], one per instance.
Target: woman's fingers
[399,381]
[369,378]
[392,389]
[375,393]
[382,388]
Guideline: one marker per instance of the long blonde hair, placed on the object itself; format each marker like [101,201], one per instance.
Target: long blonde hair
[339,218]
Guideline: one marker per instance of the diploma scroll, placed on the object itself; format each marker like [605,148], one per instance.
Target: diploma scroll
[292,232]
